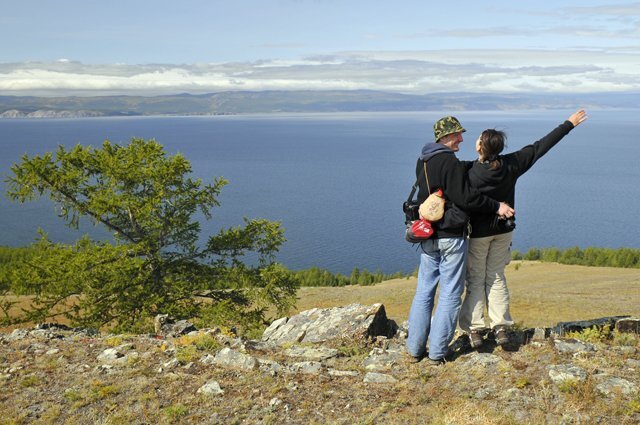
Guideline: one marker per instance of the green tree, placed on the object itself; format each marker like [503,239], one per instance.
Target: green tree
[155,263]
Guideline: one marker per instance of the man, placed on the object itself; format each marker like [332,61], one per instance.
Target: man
[443,255]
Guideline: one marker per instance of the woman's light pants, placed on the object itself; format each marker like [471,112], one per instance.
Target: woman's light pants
[486,283]
[441,262]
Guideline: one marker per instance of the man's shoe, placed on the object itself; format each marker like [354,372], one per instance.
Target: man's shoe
[502,337]
[475,339]
[432,362]
[411,359]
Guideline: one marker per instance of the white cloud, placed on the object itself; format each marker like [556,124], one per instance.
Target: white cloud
[542,70]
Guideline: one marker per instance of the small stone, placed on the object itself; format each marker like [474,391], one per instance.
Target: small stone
[483,359]
[109,355]
[211,388]
[17,334]
[573,346]
[632,363]
[269,366]
[274,402]
[334,372]
[52,351]
[539,334]
[380,359]
[379,378]
[612,385]
[171,364]
[229,358]
[483,393]
[564,372]
[310,368]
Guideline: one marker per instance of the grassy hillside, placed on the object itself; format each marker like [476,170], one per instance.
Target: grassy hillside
[542,294]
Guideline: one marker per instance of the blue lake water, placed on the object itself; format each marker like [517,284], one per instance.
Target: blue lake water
[337,181]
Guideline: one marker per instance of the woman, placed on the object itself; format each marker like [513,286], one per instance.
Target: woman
[495,175]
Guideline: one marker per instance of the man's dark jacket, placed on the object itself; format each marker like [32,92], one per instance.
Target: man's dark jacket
[446,172]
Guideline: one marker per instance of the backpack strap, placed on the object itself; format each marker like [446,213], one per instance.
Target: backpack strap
[415,185]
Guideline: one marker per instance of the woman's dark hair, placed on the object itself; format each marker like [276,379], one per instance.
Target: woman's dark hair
[492,143]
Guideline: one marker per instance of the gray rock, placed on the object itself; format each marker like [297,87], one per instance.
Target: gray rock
[578,326]
[573,346]
[109,355]
[208,359]
[171,364]
[274,402]
[629,325]
[229,358]
[563,372]
[17,334]
[612,385]
[165,325]
[334,372]
[311,353]
[319,325]
[482,359]
[52,351]
[380,359]
[211,388]
[379,378]
[270,366]
[484,393]
[540,334]
[309,368]
[632,363]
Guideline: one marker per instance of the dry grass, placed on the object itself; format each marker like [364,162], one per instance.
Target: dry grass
[542,294]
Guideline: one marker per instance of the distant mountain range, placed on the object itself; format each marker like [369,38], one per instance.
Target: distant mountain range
[244,102]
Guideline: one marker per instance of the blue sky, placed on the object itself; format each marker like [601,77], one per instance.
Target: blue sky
[155,47]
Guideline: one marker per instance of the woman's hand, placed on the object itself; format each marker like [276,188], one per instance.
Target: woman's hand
[578,117]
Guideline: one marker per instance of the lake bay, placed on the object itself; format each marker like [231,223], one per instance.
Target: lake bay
[337,181]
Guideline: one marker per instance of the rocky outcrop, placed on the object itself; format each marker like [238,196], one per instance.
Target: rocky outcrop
[323,324]
[358,369]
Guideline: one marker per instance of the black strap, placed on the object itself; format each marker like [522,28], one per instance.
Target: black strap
[415,185]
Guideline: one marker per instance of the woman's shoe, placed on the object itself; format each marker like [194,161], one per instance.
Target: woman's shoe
[502,337]
[475,339]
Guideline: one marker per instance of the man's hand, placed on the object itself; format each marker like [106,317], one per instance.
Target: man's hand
[505,211]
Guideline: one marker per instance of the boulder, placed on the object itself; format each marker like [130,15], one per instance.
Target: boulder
[580,325]
[629,325]
[323,324]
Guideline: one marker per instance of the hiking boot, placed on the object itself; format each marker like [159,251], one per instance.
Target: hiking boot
[411,359]
[501,336]
[475,339]
[432,362]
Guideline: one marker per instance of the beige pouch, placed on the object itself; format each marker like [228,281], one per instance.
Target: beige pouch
[432,209]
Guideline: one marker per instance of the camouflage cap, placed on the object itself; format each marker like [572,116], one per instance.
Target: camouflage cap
[447,125]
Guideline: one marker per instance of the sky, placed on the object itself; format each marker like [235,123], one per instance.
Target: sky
[80,47]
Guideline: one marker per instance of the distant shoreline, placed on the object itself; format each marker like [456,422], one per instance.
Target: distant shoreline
[300,101]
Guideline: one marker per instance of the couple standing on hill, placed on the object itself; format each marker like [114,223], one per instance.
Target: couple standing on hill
[480,196]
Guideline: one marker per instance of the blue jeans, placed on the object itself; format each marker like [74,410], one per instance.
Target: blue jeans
[442,261]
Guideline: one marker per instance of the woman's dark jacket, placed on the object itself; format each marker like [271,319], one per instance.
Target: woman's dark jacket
[500,184]
[445,171]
